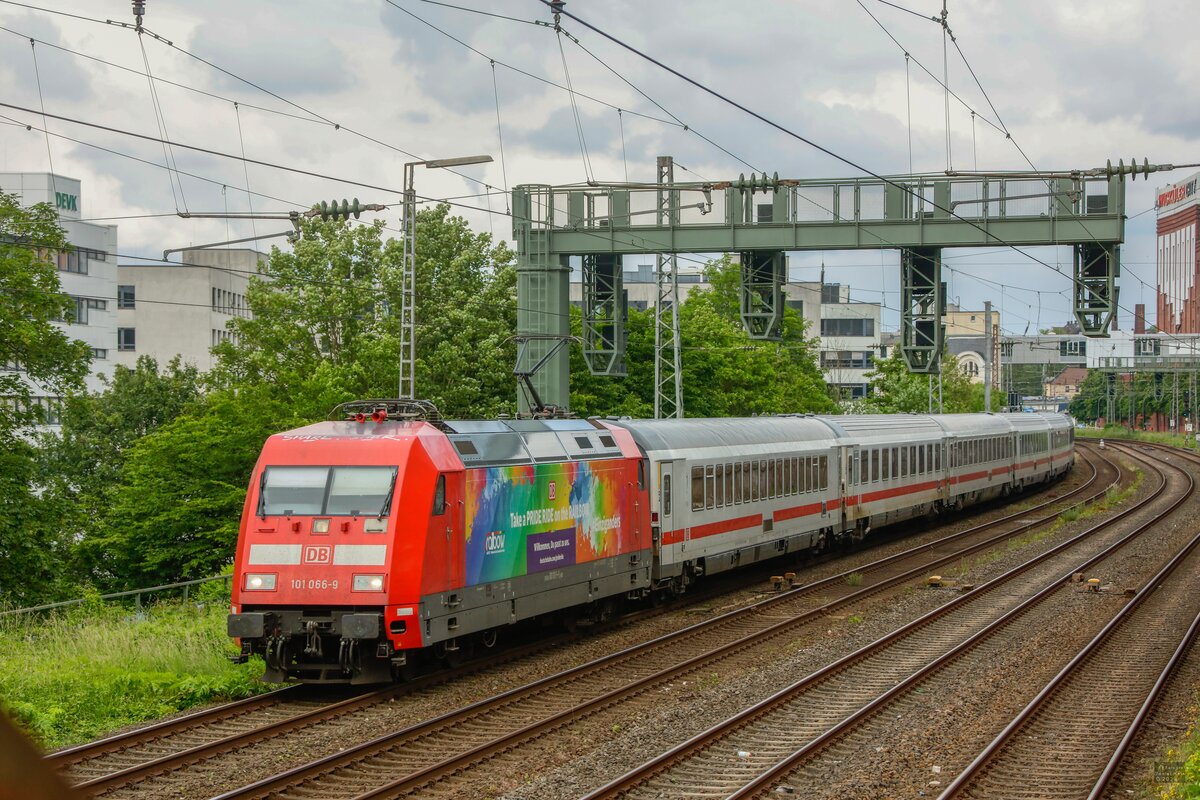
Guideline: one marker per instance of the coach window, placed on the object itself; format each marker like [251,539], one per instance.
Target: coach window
[746,493]
[666,489]
[921,460]
[874,464]
[720,486]
[772,479]
[824,472]
[737,482]
[709,487]
[764,486]
[729,484]
[697,488]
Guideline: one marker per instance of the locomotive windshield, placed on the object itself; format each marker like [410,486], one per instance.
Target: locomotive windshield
[344,491]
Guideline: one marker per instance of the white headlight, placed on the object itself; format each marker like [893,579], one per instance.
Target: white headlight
[368,583]
[260,582]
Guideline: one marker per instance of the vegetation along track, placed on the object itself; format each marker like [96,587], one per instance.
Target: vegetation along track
[169,746]
[757,751]
[411,759]
[1093,708]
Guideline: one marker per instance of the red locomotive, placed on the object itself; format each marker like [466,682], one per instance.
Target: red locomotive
[369,540]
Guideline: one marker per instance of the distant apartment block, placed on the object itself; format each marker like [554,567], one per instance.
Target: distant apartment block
[182,309]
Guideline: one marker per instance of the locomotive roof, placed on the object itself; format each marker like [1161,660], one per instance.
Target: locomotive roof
[525,441]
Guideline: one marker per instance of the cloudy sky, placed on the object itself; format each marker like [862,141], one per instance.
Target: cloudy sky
[353,89]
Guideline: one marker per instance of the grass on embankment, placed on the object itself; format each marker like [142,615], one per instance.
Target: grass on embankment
[1121,432]
[73,676]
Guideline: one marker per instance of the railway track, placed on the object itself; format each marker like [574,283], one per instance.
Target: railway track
[1094,707]
[415,757]
[758,751]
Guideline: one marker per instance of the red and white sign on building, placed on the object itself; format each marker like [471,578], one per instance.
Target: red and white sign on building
[1178,218]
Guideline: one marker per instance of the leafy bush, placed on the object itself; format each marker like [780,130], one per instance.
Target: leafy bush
[76,675]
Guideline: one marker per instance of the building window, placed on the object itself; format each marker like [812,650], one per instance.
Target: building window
[99,354]
[853,326]
[126,339]
[831,293]
[126,296]
[1147,347]
[83,305]
[1072,347]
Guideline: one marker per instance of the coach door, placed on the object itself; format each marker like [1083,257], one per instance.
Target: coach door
[668,500]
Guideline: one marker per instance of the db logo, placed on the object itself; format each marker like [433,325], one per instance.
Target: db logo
[553,489]
[317,554]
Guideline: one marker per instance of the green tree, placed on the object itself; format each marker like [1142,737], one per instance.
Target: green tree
[1091,401]
[725,372]
[31,546]
[176,511]
[83,463]
[334,301]
[895,390]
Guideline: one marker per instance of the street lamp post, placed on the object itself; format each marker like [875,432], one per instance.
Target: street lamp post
[408,299]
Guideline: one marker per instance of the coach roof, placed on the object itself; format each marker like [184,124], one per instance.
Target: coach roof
[685,434]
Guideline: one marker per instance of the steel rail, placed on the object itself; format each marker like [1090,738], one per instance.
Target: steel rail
[1072,668]
[195,753]
[121,741]
[701,741]
[303,773]
[1160,683]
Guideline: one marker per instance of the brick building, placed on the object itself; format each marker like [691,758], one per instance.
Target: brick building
[1178,215]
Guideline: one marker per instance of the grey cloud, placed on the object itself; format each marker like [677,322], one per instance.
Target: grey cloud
[62,76]
[298,62]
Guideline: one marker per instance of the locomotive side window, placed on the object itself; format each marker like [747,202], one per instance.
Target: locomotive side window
[641,474]
[439,496]
[666,490]
[697,488]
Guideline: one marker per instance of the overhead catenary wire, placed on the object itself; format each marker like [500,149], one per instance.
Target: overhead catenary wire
[160,120]
[245,167]
[500,137]
[583,148]
[811,143]
[42,102]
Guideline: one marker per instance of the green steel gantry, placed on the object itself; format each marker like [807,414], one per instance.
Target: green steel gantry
[761,218]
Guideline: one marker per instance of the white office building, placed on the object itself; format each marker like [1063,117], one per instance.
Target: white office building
[182,309]
[87,272]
